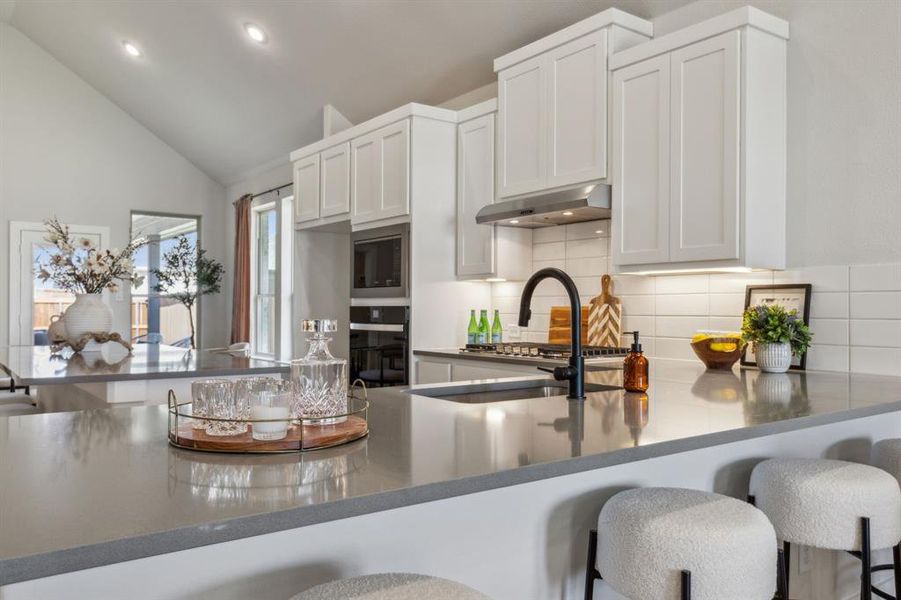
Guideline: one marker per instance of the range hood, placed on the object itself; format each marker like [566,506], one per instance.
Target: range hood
[584,203]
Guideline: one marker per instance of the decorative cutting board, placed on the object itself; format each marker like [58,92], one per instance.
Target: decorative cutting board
[605,316]
[559,331]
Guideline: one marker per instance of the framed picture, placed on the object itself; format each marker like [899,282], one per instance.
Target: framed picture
[791,296]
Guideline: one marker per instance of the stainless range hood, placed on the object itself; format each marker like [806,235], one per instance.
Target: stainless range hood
[584,203]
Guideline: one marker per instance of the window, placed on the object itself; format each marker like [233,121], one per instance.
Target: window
[265,272]
[156,318]
[271,275]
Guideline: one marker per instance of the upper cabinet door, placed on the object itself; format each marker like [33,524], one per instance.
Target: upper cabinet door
[306,189]
[394,141]
[641,162]
[522,134]
[475,189]
[704,201]
[366,180]
[577,111]
[335,180]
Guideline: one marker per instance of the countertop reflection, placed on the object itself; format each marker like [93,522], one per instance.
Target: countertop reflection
[36,365]
[72,484]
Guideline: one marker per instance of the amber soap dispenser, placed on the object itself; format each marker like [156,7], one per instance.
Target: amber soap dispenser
[635,367]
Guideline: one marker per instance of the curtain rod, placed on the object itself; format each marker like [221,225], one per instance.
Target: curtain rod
[275,189]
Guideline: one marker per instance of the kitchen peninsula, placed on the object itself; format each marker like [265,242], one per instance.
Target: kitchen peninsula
[528,474]
[71,381]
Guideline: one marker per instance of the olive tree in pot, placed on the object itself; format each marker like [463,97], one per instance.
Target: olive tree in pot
[775,334]
[186,274]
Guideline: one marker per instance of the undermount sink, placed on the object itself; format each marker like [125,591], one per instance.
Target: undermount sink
[481,393]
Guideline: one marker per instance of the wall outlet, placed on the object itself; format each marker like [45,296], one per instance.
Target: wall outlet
[805,559]
[513,333]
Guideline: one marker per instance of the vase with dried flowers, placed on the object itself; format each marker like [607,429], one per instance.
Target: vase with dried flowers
[79,267]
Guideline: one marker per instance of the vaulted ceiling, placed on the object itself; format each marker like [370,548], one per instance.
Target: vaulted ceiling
[230,105]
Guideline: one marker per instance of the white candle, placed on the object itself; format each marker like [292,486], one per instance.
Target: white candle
[274,430]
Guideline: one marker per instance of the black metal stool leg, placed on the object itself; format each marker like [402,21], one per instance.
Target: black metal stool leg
[787,552]
[781,576]
[686,585]
[896,555]
[866,592]
[591,570]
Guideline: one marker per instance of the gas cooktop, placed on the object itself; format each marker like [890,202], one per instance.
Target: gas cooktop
[555,351]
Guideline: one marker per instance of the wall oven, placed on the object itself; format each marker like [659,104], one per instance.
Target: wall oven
[380,263]
[379,344]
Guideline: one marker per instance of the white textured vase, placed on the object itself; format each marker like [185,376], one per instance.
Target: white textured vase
[773,358]
[89,314]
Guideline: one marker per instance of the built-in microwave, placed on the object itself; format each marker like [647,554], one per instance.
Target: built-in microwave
[380,263]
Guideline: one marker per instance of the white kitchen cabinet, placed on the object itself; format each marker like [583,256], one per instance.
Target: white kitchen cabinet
[380,170]
[335,181]
[699,147]
[552,105]
[641,105]
[306,189]
[484,251]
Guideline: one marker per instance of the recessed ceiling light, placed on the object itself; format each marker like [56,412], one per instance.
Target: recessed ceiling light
[514,221]
[132,50]
[567,213]
[255,33]
[599,231]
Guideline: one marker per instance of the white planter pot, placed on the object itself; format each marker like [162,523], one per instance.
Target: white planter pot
[89,314]
[773,358]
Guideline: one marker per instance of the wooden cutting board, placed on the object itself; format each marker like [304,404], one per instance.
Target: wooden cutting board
[559,331]
[605,316]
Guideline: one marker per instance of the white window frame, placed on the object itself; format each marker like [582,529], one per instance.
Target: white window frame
[21,298]
[283,293]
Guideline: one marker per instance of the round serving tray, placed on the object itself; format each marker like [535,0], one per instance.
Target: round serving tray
[303,434]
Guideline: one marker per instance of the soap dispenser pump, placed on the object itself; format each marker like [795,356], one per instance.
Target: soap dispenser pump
[635,367]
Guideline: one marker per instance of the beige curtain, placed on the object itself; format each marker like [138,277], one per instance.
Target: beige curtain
[241,292]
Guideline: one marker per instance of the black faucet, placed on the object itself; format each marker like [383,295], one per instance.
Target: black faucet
[575,372]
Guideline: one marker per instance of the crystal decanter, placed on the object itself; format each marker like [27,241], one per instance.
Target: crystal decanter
[319,377]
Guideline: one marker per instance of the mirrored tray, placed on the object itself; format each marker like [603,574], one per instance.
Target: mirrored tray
[304,434]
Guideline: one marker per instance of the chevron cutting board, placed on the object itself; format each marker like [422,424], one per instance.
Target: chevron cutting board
[605,316]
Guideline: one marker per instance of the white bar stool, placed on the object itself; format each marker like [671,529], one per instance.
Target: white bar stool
[831,504]
[668,543]
[391,586]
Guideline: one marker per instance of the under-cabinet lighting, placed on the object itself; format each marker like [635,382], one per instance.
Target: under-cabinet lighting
[255,33]
[567,213]
[690,271]
[514,221]
[495,279]
[599,231]
[132,50]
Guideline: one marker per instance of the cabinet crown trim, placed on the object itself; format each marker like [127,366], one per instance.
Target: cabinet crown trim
[611,16]
[747,16]
[477,110]
[413,109]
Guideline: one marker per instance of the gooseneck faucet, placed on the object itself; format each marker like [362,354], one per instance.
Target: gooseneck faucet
[575,372]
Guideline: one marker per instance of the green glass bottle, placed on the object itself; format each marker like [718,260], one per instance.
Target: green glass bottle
[472,332]
[484,328]
[497,332]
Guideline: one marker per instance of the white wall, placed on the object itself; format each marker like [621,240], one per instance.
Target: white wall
[66,150]
[844,125]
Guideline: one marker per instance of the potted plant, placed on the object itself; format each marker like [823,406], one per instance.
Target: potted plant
[187,274]
[81,268]
[776,334]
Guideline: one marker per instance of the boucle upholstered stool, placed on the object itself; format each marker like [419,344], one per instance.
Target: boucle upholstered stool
[669,543]
[391,586]
[831,504]
[887,456]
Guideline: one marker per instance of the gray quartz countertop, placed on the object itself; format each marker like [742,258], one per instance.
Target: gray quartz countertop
[90,488]
[591,364]
[36,365]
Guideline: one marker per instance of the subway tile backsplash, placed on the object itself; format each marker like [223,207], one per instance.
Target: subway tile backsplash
[855,309]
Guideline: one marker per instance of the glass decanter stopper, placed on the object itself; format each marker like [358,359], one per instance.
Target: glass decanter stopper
[319,377]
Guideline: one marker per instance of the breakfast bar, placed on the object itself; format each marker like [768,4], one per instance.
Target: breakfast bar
[439,457]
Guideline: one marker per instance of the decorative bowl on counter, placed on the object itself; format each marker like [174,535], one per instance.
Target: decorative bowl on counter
[718,350]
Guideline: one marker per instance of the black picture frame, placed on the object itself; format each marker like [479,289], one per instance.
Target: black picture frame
[804,290]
